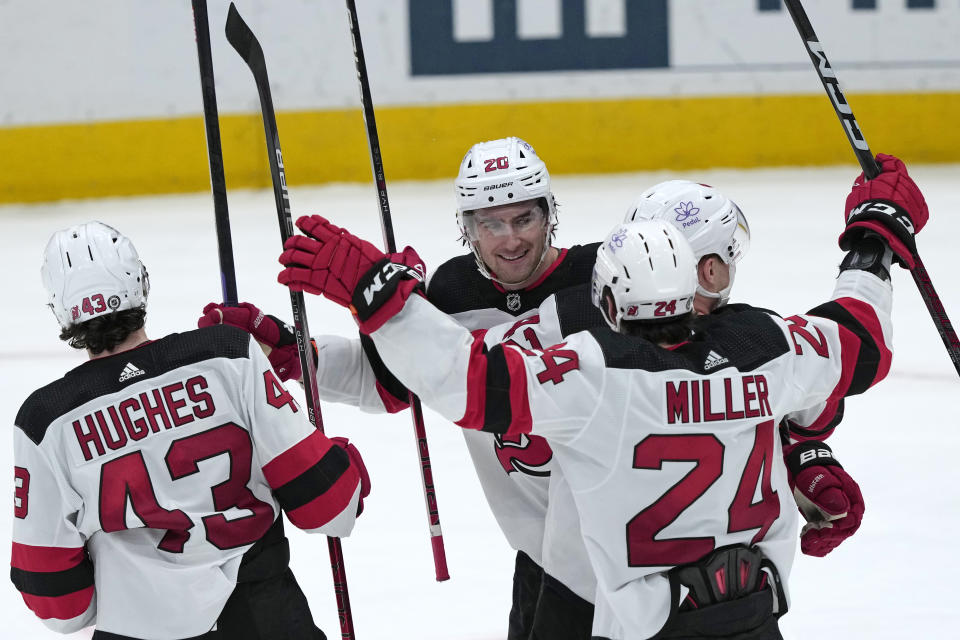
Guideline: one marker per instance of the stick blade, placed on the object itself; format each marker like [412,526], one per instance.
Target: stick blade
[242,39]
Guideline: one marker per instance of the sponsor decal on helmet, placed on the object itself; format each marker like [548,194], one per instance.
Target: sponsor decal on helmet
[685,211]
[491,187]
[616,240]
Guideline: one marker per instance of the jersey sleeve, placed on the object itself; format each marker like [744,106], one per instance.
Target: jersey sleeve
[49,562]
[481,383]
[350,371]
[314,481]
[840,348]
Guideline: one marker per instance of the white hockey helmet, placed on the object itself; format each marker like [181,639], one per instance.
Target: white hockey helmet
[501,172]
[91,270]
[711,222]
[650,270]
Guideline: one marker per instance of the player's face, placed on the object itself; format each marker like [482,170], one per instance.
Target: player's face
[511,238]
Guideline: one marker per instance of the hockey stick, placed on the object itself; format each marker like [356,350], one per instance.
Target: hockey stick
[870,169]
[218,184]
[242,39]
[386,224]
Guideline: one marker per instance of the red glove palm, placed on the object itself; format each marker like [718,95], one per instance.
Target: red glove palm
[354,454]
[890,205]
[826,495]
[276,338]
[348,270]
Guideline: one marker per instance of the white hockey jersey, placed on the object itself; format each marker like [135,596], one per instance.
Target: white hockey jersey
[570,310]
[513,469]
[143,477]
[669,453]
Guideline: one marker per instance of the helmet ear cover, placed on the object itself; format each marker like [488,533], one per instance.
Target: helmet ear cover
[91,270]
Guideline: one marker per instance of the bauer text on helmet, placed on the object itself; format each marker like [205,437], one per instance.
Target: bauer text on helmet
[91,270]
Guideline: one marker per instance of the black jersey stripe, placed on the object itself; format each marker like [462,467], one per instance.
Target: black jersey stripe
[315,481]
[51,584]
[496,408]
[868,359]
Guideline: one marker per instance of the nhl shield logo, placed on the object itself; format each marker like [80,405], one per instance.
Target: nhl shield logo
[513,301]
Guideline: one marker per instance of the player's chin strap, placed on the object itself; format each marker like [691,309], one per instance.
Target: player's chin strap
[723,296]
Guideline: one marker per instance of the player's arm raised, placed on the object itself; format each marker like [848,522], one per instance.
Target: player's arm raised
[49,562]
[477,385]
[347,370]
[844,345]
[320,482]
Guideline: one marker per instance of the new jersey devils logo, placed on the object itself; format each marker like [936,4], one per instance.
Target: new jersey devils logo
[523,453]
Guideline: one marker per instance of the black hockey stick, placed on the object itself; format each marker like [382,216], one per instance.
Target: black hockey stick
[870,168]
[246,44]
[228,276]
[390,244]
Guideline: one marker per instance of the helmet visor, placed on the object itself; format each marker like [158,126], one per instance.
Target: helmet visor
[482,223]
[741,238]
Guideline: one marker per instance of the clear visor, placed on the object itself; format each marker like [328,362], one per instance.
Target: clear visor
[484,223]
[741,238]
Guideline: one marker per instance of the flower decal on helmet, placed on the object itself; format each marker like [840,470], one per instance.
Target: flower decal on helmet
[686,210]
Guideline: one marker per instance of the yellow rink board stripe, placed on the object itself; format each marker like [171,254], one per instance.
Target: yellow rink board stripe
[100,159]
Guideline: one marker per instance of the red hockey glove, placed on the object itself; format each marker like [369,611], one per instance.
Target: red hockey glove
[826,495]
[354,454]
[276,338]
[891,205]
[348,270]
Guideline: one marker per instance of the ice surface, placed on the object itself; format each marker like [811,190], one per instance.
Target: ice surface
[896,578]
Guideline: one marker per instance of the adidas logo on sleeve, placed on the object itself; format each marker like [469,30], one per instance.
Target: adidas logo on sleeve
[131,371]
[714,360]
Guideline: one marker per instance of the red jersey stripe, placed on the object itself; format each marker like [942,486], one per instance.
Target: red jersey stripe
[390,403]
[297,459]
[329,505]
[476,384]
[866,315]
[45,559]
[62,607]
[520,419]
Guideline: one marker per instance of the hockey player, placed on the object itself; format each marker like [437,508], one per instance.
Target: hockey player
[700,558]
[506,214]
[149,480]
[719,235]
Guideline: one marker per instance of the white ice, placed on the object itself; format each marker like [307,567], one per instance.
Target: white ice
[896,578]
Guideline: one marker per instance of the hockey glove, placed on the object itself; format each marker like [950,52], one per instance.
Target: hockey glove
[348,270]
[826,495]
[354,454]
[276,338]
[890,205]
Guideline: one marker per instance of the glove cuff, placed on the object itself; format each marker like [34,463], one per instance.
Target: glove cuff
[809,454]
[381,292]
[888,219]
